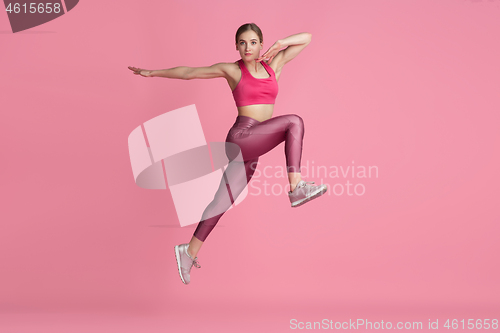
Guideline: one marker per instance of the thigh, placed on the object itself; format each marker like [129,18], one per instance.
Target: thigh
[250,167]
[261,138]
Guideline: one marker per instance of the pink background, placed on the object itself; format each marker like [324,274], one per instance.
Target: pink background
[408,86]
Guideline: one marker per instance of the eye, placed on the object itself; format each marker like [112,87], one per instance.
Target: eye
[254,42]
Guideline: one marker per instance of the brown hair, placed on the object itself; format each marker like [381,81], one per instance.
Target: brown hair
[249,26]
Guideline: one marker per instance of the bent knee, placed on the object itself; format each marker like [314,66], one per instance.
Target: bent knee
[297,120]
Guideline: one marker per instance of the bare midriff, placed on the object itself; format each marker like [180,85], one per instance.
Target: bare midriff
[260,112]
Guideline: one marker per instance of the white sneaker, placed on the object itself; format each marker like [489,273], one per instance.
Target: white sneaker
[185,262]
[305,192]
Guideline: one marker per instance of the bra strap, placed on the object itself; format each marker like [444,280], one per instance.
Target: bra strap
[243,68]
[267,67]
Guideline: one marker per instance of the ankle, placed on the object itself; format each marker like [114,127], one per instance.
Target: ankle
[294,185]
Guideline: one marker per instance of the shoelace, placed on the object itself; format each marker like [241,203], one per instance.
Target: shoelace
[196,264]
[305,183]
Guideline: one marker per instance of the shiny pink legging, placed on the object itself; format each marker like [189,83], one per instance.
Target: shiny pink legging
[254,138]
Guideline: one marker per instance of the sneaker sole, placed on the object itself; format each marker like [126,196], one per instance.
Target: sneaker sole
[178,259]
[315,195]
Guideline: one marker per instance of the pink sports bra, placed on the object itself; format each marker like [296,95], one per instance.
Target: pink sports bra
[251,90]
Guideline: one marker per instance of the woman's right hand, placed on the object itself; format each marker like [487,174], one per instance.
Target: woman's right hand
[141,72]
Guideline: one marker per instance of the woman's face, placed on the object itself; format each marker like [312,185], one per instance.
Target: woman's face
[249,45]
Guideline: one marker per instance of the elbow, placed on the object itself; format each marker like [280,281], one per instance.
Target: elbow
[307,37]
[188,74]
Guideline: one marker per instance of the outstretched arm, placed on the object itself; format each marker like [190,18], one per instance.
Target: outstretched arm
[185,73]
[171,73]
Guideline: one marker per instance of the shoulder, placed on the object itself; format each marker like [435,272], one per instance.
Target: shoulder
[232,68]
[221,69]
[225,66]
[229,69]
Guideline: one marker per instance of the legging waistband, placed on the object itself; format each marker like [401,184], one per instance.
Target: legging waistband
[244,121]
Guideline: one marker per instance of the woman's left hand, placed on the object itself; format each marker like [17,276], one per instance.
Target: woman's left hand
[271,53]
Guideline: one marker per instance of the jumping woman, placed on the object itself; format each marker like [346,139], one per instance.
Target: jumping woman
[254,84]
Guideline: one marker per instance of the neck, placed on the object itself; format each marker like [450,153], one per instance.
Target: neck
[251,63]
